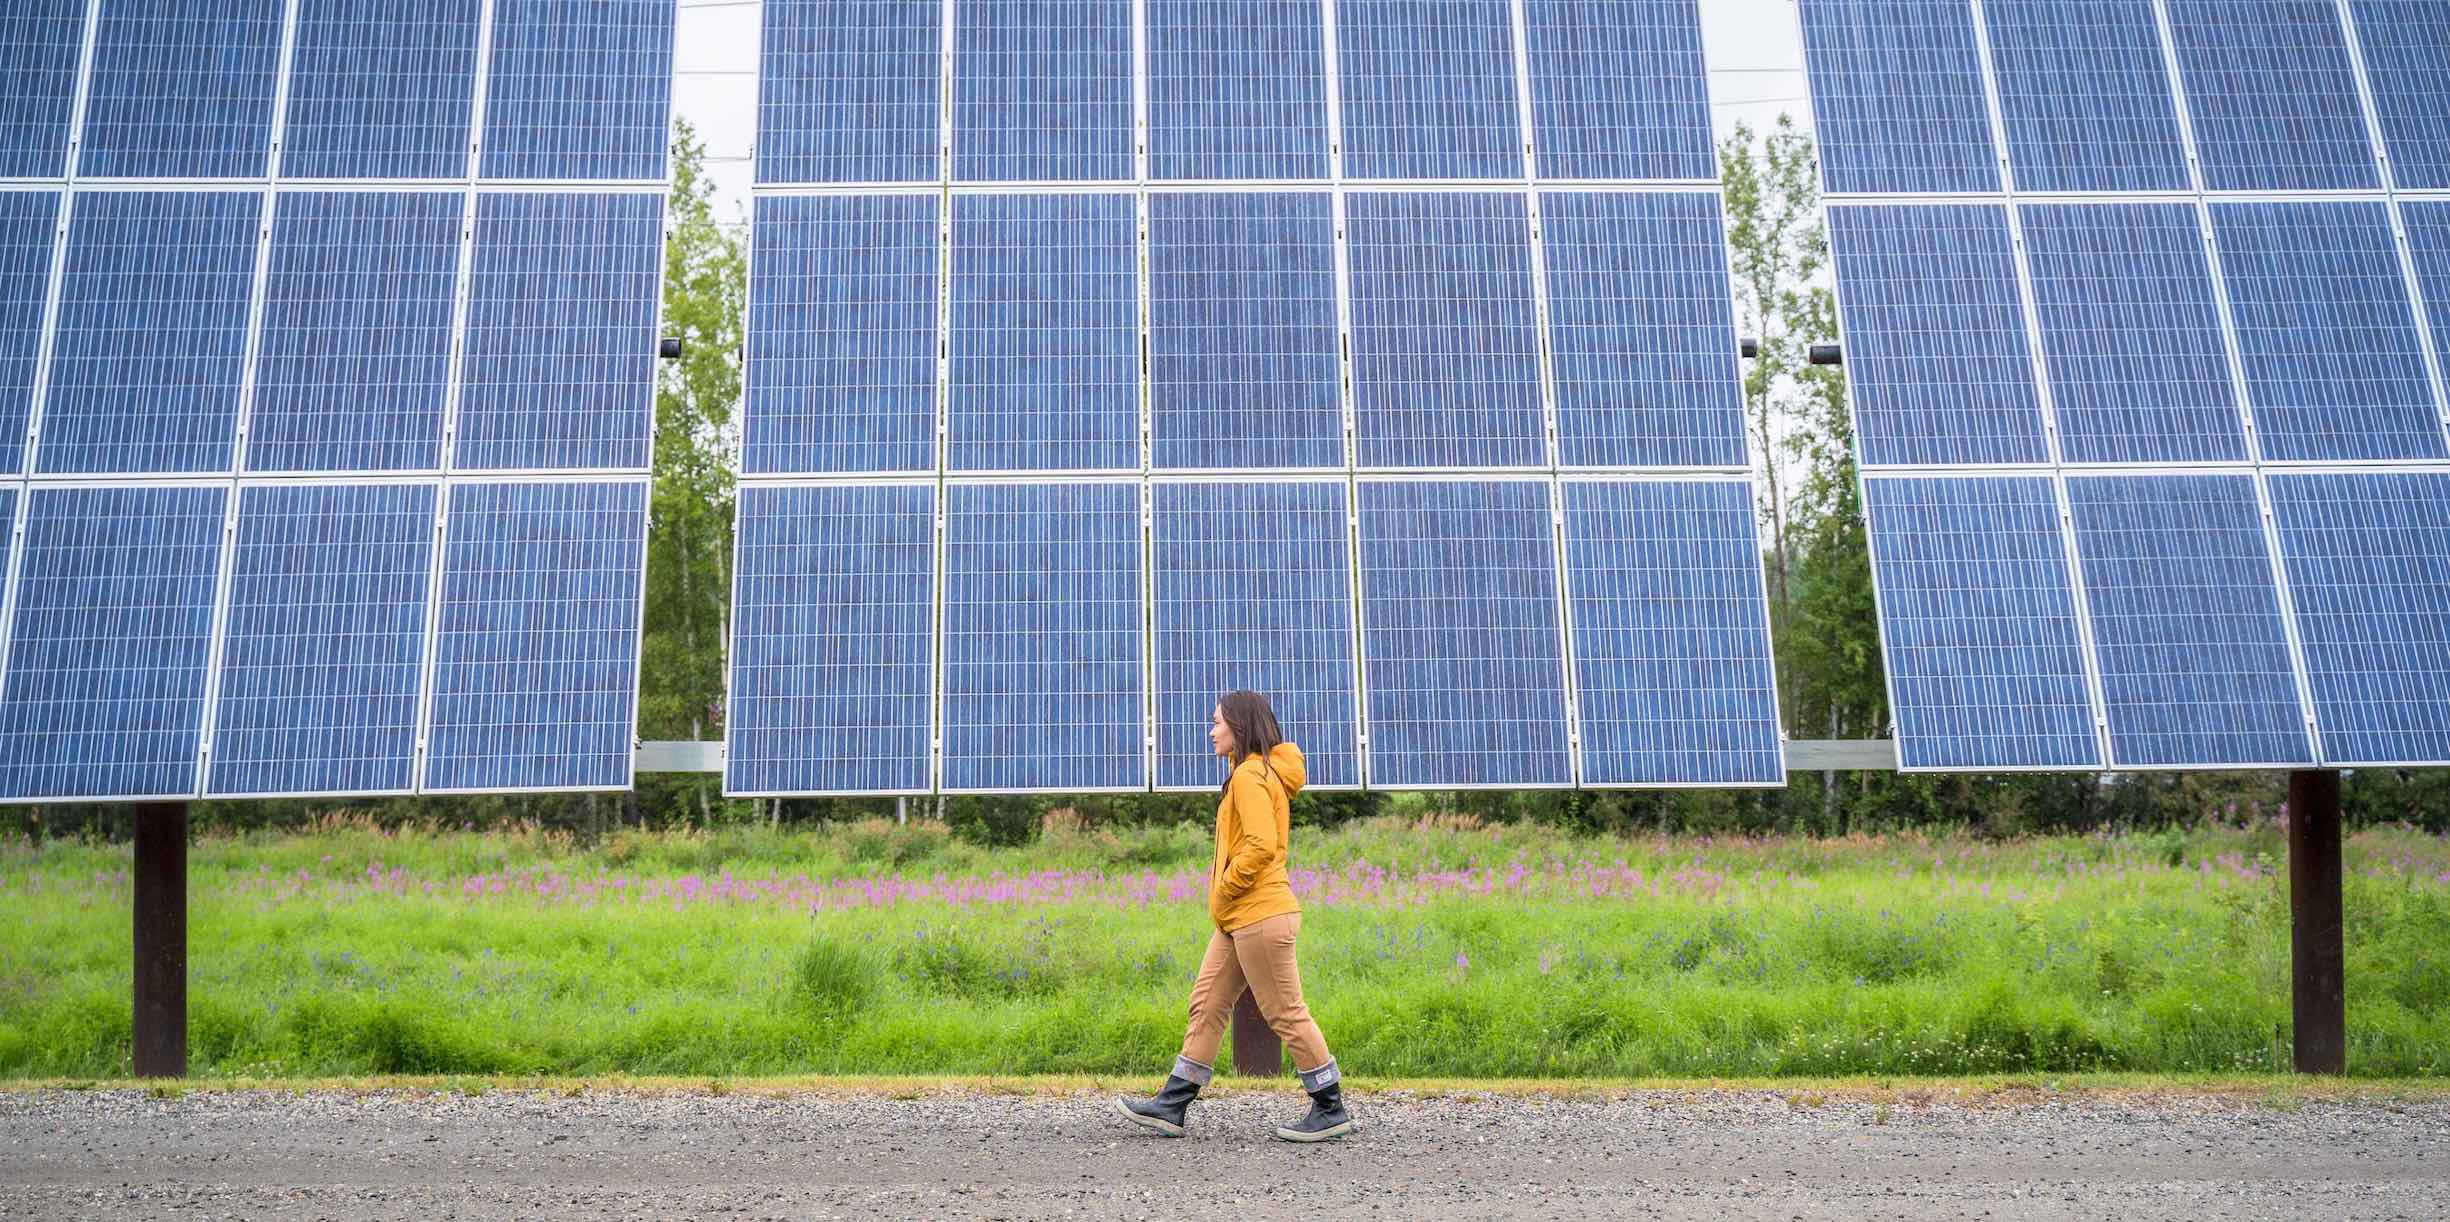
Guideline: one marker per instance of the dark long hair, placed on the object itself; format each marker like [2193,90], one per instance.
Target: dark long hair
[1254,728]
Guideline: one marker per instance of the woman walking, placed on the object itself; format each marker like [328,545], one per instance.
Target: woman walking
[1257,919]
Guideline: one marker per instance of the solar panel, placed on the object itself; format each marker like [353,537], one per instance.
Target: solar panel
[842,335]
[579,89]
[1244,351]
[1461,644]
[1267,608]
[2368,556]
[1045,335]
[254,349]
[2200,315]
[833,657]
[323,654]
[109,641]
[1897,96]
[1044,661]
[850,91]
[381,90]
[1619,90]
[535,672]
[1445,346]
[2084,95]
[2131,334]
[1642,330]
[152,332]
[2185,612]
[1672,673]
[2334,364]
[2273,95]
[353,368]
[2428,241]
[1236,90]
[1936,353]
[28,222]
[1312,312]
[40,42]
[560,365]
[1429,89]
[182,89]
[1042,90]
[2405,44]
[1978,624]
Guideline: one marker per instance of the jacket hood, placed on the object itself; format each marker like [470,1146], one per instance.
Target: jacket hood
[1286,762]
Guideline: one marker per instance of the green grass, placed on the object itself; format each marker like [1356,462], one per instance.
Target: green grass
[321,956]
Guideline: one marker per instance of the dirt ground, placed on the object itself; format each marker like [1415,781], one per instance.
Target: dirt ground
[956,1153]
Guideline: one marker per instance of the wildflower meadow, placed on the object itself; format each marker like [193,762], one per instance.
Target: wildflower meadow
[1431,948]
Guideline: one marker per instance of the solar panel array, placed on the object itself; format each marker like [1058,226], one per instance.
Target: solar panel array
[2145,306]
[1108,355]
[327,333]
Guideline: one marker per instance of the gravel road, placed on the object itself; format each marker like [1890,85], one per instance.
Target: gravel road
[1750,1154]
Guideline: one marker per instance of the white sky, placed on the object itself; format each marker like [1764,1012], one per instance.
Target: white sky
[1756,73]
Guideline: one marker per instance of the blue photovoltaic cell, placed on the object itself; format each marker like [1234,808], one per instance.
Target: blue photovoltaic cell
[1936,353]
[1978,624]
[324,651]
[2273,95]
[849,91]
[40,42]
[536,652]
[1042,638]
[1618,89]
[842,335]
[1270,611]
[182,89]
[1045,333]
[2428,239]
[2368,557]
[1042,90]
[2084,94]
[1897,96]
[1642,331]
[579,89]
[1461,646]
[1671,637]
[1243,348]
[2406,45]
[109,645]
[2334,364]
[2131,334]
[560,370]
[1236,90]
[380,89]
[1445,347]
[152,332]
[833,655]
[2186,622]
[28,223]
[1429,89]
[354,364]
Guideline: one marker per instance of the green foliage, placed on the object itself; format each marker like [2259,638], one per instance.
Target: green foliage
[1893,954]
[831,978]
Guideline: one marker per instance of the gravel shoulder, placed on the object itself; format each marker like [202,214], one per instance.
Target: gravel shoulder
[955,1152]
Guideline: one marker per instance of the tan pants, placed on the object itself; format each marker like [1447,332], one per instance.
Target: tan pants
[1260,956]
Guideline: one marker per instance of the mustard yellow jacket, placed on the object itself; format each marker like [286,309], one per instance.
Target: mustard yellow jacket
[1254,827]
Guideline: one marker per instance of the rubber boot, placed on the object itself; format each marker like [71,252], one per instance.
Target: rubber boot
[1327,1118]
[1164,1113]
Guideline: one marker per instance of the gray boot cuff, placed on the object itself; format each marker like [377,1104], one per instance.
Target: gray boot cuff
[1192,1071]
[1322,1077]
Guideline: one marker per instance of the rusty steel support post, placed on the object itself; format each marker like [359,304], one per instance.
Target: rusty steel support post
[161,940]
[1257,1051]
[2317,945]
